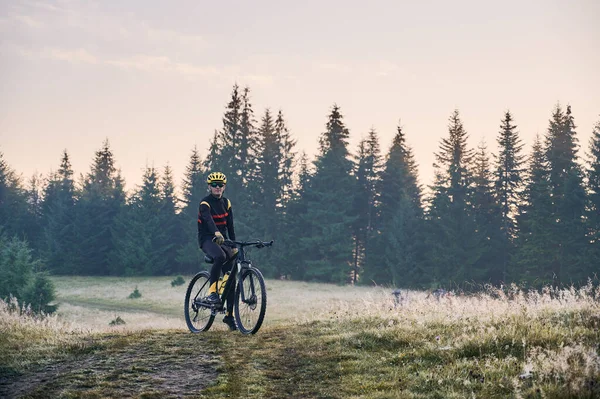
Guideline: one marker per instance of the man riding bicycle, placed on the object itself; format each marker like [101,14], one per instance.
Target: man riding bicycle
[215,222]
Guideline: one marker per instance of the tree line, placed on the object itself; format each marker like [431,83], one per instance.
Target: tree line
[340,218]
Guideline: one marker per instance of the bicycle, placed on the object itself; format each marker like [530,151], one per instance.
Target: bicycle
[250,301]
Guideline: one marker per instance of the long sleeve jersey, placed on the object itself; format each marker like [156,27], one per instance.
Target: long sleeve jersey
[215,214]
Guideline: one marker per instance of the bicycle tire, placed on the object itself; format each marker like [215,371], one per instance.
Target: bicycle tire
[198,318]
[250,313]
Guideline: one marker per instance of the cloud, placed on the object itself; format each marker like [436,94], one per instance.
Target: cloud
[28,20]
[387,68]
[44,6]
[79,56]
[380,68]
[145,63]
[149,63]
[335,67]
[167,36]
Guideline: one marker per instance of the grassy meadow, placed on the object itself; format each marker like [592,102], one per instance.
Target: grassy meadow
[318,341]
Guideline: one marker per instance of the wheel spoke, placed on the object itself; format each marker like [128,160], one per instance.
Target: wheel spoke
[251,301]
[198,316]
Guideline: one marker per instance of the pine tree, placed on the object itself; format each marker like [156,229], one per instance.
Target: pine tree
[488,222]
[268,171]
[141,241]
[233,154]
[246,192]
[568,198]
[593,178]
[535,224]
[267,189]
[13,202]
[58,210]
[287,160]
[33,217]
[329,206]
[508,184]
[223,155]
[453,244]
[170,221]
[296,244]
[246,157]
[212,161]
[366,199]
[194,189]
[101,199]
[394,252]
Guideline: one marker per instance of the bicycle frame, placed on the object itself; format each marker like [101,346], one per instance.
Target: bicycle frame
[240,264]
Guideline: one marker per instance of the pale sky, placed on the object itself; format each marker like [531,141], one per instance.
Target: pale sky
[154,77]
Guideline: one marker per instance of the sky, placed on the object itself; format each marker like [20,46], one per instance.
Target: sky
[154,77]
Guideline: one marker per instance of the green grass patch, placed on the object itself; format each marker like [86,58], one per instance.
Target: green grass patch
[468,347]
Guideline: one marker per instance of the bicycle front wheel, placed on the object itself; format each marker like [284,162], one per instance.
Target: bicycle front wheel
[250,301]
[198,316]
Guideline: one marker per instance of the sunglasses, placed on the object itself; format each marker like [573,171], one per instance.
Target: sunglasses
[217,184]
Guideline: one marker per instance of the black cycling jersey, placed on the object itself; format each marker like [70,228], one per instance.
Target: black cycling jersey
[215,214]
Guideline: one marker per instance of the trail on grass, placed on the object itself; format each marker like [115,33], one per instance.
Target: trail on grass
[150,364]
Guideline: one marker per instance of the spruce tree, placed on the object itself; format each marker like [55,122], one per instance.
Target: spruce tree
[267,190]
[32,222]
[225,144]
[296,243]
[535,224]
[232,152]
[13,202]
[508,184]
[245,192]
[141,240]
[593,213]
[193,189]
[487,212]
[101,199]
[272,189]
[366,198]
[58,210]
[287,194]
[394,252]
[453,244]
[329,201]
[170,221]
[568,199]
[287,160]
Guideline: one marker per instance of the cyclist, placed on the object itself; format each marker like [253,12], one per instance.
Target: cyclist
[215,222]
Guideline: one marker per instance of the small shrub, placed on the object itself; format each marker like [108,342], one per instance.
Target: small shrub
[178,281]
[117,322]
[135,294]
[21,276]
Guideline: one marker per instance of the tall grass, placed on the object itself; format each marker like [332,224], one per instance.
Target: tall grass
[526,343]
[501,342]
[26,337]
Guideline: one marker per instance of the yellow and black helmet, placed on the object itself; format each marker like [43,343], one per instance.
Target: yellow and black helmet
[216,177]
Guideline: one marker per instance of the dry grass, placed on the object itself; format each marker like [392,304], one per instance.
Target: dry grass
[330,341]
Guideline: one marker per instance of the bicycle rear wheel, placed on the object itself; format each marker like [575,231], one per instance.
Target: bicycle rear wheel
[250,301]
[198,317]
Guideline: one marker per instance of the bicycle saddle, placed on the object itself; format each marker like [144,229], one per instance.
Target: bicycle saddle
[208,259]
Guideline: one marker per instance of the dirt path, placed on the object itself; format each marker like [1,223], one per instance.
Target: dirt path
[147,364]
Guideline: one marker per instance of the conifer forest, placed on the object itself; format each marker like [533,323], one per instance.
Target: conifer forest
[348,216]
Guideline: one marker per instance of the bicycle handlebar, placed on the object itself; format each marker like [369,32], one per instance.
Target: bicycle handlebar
[257,243]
